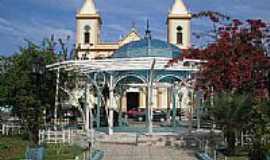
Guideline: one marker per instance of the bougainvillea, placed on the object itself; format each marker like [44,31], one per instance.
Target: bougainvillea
[237,60]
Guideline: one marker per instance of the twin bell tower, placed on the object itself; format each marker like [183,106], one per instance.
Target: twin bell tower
[89,23]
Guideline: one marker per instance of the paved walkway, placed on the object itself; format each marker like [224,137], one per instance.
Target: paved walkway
[132,152]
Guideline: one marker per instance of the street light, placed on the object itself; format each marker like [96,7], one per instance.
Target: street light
[38,70]
[38,66]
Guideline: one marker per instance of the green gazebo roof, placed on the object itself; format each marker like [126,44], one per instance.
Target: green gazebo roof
[147,48]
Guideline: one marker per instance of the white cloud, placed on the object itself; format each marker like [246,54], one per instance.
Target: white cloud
[4,22]
[115,27]
[58,4]
[34,31]
[6,28]
[39,30]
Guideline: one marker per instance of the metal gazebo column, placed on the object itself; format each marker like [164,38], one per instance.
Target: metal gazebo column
[175,105]
[111,105]
[100,86]
[120,114]
[87,107]
[98,110]
[89,118]
[150,98]
[200,103]
[149,108]
[56,98]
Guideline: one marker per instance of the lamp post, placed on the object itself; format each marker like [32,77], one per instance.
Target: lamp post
[38,70]
[38,67]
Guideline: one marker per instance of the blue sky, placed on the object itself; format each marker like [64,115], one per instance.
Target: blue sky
[36,19]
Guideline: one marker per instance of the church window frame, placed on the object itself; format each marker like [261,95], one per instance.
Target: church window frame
[87,34]
[179,35]
[86,37]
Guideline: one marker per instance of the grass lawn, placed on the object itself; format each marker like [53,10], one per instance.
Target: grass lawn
[62,152]
[13,148]
[241,154]
[238,158]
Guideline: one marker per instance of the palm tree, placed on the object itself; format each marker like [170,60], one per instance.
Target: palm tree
[259,128]
[230,111]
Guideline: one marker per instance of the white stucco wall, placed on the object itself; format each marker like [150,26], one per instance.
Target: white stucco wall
[94,30]
[172,32]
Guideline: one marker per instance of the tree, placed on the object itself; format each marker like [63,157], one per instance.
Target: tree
[216,19]
[237,62]
[258,126]
[27,92]
[230,112]
[236,56]
[5,64]
[31,94]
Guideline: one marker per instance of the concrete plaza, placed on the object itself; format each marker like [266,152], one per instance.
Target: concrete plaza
[133,152]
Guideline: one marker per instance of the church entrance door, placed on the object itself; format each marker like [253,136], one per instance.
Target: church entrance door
[133,100]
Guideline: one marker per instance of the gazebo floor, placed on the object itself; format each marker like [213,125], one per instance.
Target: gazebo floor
[142,130]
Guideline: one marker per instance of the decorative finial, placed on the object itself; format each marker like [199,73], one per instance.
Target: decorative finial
[148,31]
[133,26]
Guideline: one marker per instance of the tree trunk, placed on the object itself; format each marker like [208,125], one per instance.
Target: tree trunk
[230,135]
[257,152]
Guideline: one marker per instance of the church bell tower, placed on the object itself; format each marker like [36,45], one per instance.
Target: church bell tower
[179,25]
[88,28]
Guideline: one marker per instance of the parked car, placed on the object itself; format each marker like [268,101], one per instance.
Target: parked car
[134,112]
[158,116]
[141,116]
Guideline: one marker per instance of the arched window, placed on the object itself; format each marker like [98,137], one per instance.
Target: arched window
[86,37]
[179,35]
[87,34]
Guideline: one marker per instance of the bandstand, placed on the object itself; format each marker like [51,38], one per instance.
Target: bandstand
[136,76]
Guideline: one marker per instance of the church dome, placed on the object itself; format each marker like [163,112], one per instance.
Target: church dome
[147,48]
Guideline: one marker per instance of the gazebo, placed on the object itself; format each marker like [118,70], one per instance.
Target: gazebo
[139,67]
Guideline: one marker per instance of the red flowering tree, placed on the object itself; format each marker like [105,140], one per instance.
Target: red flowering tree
[237,60]
[237,63]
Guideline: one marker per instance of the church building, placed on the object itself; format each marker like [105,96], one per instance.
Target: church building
[132,74]
[90,46]
[89,42]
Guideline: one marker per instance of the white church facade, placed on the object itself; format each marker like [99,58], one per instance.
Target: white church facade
[89,42]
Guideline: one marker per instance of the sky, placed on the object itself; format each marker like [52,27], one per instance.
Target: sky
[37,19]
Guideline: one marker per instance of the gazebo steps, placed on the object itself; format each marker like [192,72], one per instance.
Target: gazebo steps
[170,139]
